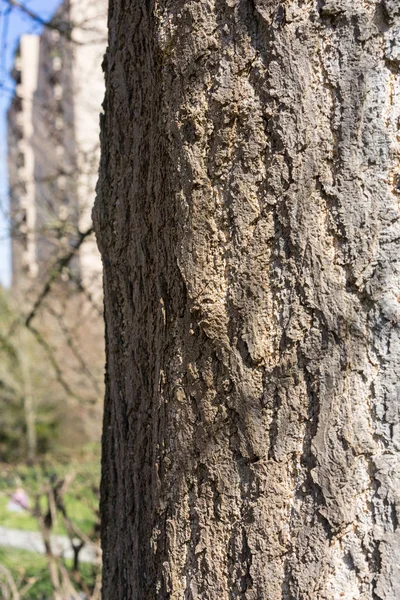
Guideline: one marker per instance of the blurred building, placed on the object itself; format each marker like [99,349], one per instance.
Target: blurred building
[22,164]
[54,145]
[54,153]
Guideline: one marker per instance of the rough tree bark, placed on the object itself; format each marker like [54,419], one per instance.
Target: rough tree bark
[248,219]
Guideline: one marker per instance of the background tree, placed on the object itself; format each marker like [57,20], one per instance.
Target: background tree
[51,323]
[53,164]
[248,218]
[29,399]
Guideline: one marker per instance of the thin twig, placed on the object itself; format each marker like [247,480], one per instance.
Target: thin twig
[63,27]
[10,581]
[50,353]
[74,348]
[60,264]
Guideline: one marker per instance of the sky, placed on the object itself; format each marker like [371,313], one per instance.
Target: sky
[13,23]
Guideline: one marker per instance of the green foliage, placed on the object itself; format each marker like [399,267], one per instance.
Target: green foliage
[27,566]
[81,500]
[15,520]
[82,515]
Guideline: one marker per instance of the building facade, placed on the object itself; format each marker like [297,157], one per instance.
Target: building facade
[54,146]
[22,165]
[54,152]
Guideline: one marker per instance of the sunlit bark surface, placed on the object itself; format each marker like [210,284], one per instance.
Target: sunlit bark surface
[248,219]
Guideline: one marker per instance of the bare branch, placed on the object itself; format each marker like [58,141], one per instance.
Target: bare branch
[60,264]
[74,348]
[88,295]
[51,354]
[10,582]
[62,26]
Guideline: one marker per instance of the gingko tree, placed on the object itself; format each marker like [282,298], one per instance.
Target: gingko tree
[248,219]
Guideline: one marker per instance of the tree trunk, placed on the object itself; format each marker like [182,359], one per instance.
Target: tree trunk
[248,219]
